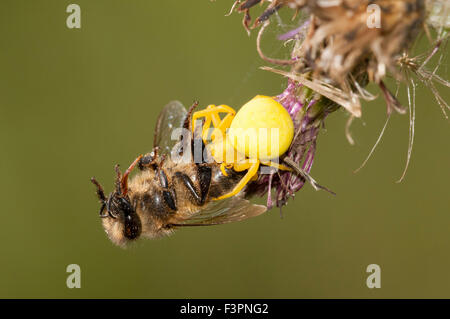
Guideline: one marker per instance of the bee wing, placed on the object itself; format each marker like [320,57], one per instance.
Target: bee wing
[229,210]
[171,117]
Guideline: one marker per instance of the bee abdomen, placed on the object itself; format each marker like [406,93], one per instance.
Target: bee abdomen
[221,184]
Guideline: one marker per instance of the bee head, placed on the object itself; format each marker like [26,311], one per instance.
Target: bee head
[119,217]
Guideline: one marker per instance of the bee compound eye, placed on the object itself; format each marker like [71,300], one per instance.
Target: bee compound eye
[132,228]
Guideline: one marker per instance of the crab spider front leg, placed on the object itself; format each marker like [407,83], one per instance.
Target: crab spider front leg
[252,169]
[222,127]
[211,114]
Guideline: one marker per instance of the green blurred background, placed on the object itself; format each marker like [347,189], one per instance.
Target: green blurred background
[74,102]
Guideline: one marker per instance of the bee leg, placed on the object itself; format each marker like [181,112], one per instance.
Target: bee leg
[169,199]
[252,171]
[198,150]
[204,178]
[205,181]
[163,178]
[148,160]
[168,194]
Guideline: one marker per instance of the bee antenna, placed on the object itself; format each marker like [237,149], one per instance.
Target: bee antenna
[187,121]
[123,186]
[101,211]
[100,192]
[118,178]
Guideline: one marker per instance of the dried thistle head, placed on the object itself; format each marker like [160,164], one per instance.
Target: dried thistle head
[308,112]
[349,43]
[341,47]
[438,14]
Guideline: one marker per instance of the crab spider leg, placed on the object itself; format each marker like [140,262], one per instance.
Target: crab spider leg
[211,114]
[276,165]
[251,174]
[199,114]
[214,115]
[252,171]
[223,167]
[220,109]
[205,129]
[222,127]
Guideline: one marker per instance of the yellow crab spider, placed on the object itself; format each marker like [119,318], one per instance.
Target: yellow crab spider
[260,132]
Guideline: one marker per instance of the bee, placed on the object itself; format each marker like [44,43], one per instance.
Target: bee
[166,195]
